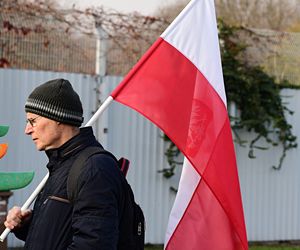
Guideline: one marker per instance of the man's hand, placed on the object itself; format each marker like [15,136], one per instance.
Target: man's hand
[15,218]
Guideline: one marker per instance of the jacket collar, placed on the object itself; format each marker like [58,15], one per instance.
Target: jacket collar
[83,139]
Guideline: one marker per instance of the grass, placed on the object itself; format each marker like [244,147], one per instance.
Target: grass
[149,247]
[279,247]
[274,248]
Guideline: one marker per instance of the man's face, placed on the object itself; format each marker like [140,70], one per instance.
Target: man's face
[44,132]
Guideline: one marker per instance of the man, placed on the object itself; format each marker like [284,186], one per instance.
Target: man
[54,115]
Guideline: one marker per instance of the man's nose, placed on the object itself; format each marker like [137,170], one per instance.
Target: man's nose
[28,128]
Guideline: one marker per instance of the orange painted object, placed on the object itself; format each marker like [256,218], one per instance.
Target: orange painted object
[3,149]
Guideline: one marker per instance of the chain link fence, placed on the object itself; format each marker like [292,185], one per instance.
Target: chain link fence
[43,44]
[278,53]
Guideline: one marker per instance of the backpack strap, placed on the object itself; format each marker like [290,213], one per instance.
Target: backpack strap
[78,165]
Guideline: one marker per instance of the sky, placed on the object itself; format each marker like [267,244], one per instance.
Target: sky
[146,7]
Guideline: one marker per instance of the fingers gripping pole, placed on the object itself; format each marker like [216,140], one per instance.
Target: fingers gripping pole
[43,182]
[27,204]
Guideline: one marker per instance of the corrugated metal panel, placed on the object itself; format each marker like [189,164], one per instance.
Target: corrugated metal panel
[15,86]
[272,197]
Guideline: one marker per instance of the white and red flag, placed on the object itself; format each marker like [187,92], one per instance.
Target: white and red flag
[178,85]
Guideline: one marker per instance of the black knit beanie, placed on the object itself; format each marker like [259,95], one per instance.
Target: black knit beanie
[56,100]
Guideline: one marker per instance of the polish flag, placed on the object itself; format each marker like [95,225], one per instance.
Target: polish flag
[178,85]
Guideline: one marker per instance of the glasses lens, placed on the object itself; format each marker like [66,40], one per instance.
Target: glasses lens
[32,121]
[29,121]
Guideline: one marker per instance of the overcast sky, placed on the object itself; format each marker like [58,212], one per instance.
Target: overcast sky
[145,7]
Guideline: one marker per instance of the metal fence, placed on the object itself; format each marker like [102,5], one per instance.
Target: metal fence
[271,198]
[278,53]
[38,43]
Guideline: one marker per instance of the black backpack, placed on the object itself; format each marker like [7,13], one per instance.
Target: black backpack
[133,218]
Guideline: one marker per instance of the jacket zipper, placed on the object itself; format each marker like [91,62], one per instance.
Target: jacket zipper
[56,198]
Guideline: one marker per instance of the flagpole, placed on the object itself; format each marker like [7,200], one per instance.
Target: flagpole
[27,204]
[32,197]
[104,105]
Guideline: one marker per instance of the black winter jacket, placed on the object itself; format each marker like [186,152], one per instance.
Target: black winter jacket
[92,223]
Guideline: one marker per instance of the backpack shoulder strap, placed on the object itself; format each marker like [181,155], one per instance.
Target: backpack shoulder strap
[77,167]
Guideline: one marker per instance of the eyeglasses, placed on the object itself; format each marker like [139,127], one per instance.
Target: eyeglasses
[32,121]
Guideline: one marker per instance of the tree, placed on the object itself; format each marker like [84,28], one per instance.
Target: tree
[262,14]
